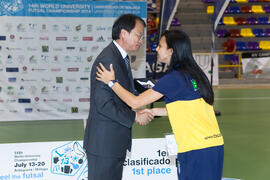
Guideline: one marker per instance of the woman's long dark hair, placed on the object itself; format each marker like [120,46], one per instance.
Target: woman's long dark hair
[182,60]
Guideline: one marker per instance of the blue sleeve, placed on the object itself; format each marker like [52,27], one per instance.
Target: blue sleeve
[169,85]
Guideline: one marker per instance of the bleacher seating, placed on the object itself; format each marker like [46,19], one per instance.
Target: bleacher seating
[241,1]
[235,33]
[241,46]
[252,21]
[245,9]
[210,10]
[221,22]
[258,32]
[263,20]
[246,32]
[253,45]
[233,10]
[221,33]
[267,32]
[208,1]
[257,9]
[240,20]
[266,8]
[228,20]
[264,45]
[245,20]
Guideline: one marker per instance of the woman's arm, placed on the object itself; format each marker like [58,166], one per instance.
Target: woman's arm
[133,101]
[159,111]
[156,111]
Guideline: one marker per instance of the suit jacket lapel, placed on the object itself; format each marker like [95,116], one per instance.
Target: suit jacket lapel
[123,66]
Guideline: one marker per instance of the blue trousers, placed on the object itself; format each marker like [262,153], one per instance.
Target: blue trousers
[202,164]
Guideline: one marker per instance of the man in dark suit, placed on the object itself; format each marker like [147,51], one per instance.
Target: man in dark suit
[108,130]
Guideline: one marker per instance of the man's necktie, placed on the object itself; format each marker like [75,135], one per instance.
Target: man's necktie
[127,62]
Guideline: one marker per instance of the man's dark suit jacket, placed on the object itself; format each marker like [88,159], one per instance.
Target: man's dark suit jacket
[108,129]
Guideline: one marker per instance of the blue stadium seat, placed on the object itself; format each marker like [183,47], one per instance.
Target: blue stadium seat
[258,32]
[241,46]
[234,10]
[227,10]
[221,22]
[263,20]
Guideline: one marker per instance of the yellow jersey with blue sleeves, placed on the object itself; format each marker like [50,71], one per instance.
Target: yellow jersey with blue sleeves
[193,120]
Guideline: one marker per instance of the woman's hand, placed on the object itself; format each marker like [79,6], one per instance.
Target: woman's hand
[104,75]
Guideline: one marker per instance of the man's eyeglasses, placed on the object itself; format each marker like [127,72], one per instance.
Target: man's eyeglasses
[139,36]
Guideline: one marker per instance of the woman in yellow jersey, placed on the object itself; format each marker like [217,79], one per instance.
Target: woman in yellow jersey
[189,97]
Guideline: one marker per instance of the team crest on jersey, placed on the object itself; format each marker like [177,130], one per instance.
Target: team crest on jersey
[194,83]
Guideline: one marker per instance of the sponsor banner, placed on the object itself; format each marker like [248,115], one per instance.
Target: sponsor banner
[43,62]
[255,54]
[157,70]
[258,66]
[67,160]
[154,69]
[71,8]
[46,160]
[148,160]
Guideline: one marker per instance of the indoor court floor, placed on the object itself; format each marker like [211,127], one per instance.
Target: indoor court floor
[244,123]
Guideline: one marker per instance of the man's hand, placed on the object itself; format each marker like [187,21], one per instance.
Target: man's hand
[143,117]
